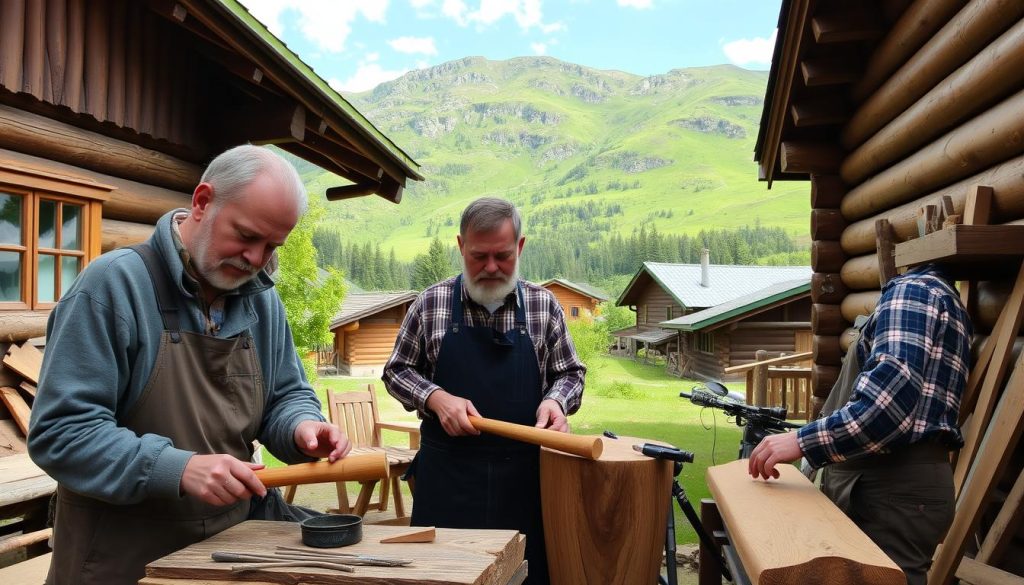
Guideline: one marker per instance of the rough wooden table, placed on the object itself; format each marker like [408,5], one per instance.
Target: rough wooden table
[456,557]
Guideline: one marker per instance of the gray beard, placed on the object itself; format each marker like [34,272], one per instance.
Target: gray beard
[487,295]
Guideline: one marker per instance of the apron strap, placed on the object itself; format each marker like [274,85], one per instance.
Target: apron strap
[165,299]
[456,304]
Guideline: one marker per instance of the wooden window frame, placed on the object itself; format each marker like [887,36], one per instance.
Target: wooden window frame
[35,185]
[702,340]
[574,312]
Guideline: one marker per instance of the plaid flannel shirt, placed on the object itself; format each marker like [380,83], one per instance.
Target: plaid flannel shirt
[409,372]
[915,353]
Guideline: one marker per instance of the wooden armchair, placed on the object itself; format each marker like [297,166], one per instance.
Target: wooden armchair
[355,413]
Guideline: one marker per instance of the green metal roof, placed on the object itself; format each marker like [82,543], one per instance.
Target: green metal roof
[741,306]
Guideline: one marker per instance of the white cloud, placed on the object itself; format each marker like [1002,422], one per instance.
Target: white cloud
[755,51]
[539,48]
[639,4]
[412,45]
[326,23]
[420,3]
[527,13]
[369,74]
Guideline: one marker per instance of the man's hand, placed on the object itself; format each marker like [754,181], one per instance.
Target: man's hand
[453,412]
[773,449]
[550,416]
[221,479]
[319,439]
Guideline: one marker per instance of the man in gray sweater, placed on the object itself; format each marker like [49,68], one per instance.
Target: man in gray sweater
[163,363]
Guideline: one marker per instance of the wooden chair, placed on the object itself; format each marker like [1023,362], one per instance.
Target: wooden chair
[355,413]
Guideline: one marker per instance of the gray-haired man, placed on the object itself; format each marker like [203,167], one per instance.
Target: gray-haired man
[485,343]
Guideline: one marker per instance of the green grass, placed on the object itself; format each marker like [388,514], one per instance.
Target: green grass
[652,410]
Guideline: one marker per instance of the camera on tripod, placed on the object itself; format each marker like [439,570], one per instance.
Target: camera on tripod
[758,421]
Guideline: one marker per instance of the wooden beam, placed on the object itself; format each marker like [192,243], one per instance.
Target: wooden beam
[827,224]
[269,122]
[17,326]
[973,572]
[827,287]
[810,157]
[827,256]
[118,234]
[822,379]
[884,252]
[1004,527]
[827,351]
[918,23]
[819,112]
[851,26]
[821,72]
[859,303]
[353,190]
[17,407]
[827,191]
[964,244]
[818,543]
[977,211]
[861,272]
[36,135]
[827,319]
[963,37]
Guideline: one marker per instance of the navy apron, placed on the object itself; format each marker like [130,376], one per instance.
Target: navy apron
[484,481]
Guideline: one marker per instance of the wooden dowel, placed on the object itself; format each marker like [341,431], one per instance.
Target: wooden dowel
[586,446]
[22,540]
[358,467]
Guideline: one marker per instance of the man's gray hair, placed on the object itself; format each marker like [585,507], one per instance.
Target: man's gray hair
[235,169]
[487,214]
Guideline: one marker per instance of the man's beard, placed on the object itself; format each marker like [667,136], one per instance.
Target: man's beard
[488,291]
[208,269]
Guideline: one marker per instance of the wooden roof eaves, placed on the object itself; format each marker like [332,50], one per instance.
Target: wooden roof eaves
[740,313]
[785,63]
[285,68]
[653,278]
[370,311]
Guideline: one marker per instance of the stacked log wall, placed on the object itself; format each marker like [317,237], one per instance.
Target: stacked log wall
[827,260]
[568,299]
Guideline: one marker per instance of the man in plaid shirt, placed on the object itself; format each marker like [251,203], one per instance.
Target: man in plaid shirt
[484,343]
[888,447]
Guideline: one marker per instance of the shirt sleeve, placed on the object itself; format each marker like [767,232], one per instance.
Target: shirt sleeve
[880,412]
[564,368]
[405,372]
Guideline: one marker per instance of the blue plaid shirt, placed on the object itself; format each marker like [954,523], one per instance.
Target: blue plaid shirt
[914,352]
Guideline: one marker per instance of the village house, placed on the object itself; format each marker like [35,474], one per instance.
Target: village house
[578,301]
[365,330]
[704,318]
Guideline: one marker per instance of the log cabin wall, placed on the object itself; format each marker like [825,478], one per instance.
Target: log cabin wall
[654,305]
[365,348]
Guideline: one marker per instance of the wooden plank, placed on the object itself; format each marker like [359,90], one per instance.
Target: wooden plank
[1001,342]
[1004,527]
[26,360]
[17,407]
[818,72]
[811,540]
[28,389]
[964,244]
[14,543]
[977,211]
[12,441]
[779,361]
[31,571]
[884,250]
[21,480]
[996,448]
[844,28]
[457,556]
[973,572]
[821,112]
[809,157]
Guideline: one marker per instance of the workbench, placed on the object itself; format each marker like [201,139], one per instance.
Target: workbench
[456,557]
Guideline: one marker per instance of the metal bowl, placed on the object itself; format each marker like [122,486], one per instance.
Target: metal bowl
[332,530]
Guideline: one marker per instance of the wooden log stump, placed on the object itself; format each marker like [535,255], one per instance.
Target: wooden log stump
[604,520]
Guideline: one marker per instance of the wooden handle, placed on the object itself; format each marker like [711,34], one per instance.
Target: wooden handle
[586,446]
[359,467]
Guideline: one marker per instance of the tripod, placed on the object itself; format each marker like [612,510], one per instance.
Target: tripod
[678,457]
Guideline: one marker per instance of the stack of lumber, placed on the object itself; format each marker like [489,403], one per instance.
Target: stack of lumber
[21,368]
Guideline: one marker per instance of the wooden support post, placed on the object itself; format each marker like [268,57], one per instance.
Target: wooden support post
[885,249]
[1004,527]
[977,211]
[709,571]
[761,379]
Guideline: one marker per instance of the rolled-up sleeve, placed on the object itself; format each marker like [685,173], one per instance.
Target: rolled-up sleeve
[405,374]
[565,371]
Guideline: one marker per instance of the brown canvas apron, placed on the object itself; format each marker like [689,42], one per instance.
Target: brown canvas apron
[206,395]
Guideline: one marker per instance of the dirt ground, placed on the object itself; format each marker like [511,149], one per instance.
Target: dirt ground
[323,497]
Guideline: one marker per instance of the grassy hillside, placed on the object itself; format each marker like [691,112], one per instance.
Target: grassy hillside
[671,151]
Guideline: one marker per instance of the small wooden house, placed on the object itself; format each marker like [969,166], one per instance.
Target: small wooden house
[776,319]
[661,292]
[365,330]
[578,301]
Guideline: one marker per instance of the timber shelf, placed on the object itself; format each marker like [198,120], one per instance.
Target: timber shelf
[971,251]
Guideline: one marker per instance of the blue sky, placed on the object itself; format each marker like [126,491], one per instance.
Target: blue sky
[357,44]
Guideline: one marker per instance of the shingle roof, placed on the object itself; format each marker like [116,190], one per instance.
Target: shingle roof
[727,282]
[357,306]
[647,334]
[583,289]
[741,306]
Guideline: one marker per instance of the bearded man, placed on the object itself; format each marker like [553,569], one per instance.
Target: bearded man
[485,343]
[163,363]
